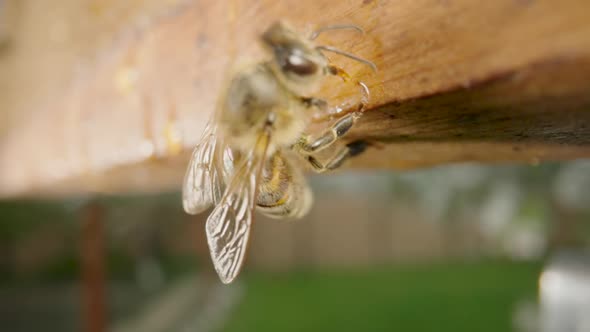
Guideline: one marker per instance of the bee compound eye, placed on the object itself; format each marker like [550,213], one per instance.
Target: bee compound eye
[299,65]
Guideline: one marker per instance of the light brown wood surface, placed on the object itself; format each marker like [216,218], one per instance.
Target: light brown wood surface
[112,96]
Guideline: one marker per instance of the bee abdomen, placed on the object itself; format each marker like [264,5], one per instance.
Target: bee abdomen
[283,192]
[294,203]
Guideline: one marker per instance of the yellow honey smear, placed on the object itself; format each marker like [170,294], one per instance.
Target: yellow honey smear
[97,8]
[173,138]
[126,79]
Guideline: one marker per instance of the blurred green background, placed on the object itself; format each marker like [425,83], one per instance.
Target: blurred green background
[459,248]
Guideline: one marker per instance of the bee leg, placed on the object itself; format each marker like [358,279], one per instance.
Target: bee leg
[350,150]
[326,113]
[323,113]
[329,136]
[338,71]
[346,108]
[337,112]
[317,103]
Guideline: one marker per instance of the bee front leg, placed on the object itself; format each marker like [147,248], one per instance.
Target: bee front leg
[318,103]
[350,150]
[346,108]
[328,136]
[325,113]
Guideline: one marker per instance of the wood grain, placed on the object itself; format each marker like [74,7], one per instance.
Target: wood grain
[458,80]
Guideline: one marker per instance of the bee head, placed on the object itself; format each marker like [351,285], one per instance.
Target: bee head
[296,60]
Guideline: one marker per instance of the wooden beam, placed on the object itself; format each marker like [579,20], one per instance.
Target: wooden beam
[504,80]
[538,113]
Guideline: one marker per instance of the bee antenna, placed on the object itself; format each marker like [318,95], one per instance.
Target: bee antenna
[348,55]
[319,31]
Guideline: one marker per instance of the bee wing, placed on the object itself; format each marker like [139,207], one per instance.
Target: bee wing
[203,182]
[228,226]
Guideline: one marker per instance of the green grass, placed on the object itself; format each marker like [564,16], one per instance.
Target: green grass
[443,297]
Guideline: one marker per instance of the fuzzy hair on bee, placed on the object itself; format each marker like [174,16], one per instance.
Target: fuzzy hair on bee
[250,154]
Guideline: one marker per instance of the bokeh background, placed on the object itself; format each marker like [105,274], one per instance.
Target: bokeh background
[456,248]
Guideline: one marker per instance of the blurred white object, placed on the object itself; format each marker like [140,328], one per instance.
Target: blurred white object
[525,241]
[500,207]
[565,293]
[572,185]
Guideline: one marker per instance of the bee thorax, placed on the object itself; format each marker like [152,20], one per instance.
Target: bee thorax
[255,99]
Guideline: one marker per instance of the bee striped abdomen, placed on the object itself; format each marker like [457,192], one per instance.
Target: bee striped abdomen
[281,192]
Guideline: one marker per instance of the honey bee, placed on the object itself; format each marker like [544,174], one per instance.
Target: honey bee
[246,156]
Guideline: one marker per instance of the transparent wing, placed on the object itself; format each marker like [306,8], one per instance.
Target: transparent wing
[228,226]
[205,176]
